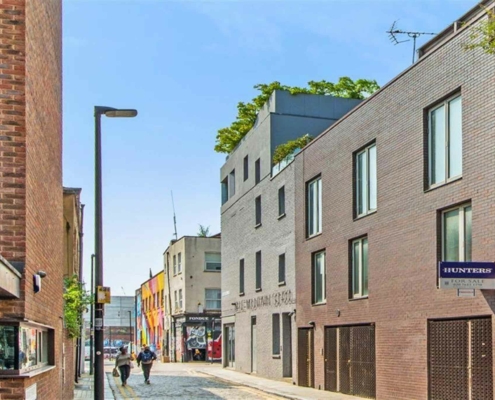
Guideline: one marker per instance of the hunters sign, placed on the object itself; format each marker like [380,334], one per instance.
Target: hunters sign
[269,300]
[467,275]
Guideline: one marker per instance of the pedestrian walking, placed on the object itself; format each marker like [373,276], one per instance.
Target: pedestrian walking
[123,363]
[146,358]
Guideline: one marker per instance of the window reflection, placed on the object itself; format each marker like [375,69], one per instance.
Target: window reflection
[7,347]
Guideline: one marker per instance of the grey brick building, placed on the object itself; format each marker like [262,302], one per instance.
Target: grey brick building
[258,279]
[410,184]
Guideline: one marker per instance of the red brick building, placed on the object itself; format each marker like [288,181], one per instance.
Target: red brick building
[403,181]
[32,351]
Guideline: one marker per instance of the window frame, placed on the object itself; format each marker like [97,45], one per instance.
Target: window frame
[281,269]
[218,300]
[224,185]
[257,211]
[258,272]
[462,231]
[179,263]
[318,200]
[241,277]
[232,183]
[357,181]
[276,339]
[257,171]
[180,300]
[447,132]
[281,202]
[360,294]
[206,262]
[323,287]
[246,168]
[174,258]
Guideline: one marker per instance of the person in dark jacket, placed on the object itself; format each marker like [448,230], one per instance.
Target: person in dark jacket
[146,358]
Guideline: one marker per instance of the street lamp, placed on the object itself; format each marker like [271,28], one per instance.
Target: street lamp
[99,387]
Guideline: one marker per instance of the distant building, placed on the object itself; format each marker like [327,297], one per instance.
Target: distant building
[258,238]
[193,268]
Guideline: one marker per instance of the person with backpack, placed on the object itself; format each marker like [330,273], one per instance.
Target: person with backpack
[146,358]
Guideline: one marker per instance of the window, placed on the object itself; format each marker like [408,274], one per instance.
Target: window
[258,270]
[162,297]
[365,180]
[179,263]
[246,168]
[257,171]
[225,190]
[257,207]
[359,268]
[313,207]
[213,299]
[232,183]
[281,268]
[166,305]
[180,299]
[276,334]
[456,233]
[176,301]
[445,141]
[213,262]
[281,201]
[319,295]
[241,276]
[175,265]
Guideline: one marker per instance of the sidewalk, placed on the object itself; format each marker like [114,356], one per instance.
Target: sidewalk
[84,389]
[279,388]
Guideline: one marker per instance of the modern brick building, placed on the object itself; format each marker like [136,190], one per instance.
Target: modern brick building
[258,279]
[193,267]
[403,181]
[31,203]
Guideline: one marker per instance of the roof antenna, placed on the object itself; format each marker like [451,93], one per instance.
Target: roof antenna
[393,31]
[173,207]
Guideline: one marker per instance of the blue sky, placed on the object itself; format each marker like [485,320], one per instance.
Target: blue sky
[184,65]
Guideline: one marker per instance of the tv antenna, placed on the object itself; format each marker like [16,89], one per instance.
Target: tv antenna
[394,31]
[173,208]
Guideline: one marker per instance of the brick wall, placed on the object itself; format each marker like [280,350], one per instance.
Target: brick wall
[403,233]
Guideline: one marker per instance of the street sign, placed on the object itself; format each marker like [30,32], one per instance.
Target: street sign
[103,294]
[466,292]
[98,323]
[467,275]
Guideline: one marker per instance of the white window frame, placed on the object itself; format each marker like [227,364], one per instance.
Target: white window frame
[314,209]
[175,264]
[367,185]
[179,263]
[217,300]
[176,301]
[180,299]
[446,105]
[216,268]
[358,265]
[323,281]
[462,231]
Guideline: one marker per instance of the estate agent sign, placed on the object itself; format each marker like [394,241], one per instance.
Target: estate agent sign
[467,275]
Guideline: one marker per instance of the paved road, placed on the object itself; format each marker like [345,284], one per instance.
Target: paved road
[182,382]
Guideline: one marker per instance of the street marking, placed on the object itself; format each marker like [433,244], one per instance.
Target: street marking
[121,389]
[133,393]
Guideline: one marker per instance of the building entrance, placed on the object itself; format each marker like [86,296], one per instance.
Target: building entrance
[253,344]
[229,334]
[305,359]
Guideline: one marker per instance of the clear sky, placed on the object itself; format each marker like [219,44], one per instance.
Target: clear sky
[184,65]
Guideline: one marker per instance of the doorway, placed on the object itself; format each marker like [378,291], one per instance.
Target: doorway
[305,357]
[253,345]
[229,334]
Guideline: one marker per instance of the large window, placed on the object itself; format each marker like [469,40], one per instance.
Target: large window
[365,180]
[276,334]
[257,203]
[281,268]
[319,292]
[258,270]
[281,201]
[213,262]
[456,233]
[257,171]
[232,183]
[246,168]
[213,299]
[313,207]
[445,141]
[359,268]
[179,263]
[241,276]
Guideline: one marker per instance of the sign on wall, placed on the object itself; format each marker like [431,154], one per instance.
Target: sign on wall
[467,275]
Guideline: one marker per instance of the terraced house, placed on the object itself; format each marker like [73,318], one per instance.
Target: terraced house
[398,185]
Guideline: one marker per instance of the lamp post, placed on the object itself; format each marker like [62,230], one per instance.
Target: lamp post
[98,320]
[130,331]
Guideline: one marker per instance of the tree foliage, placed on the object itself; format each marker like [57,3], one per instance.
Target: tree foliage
[76,300]
[229,137]
[483,35]
[288,148]
[204,231]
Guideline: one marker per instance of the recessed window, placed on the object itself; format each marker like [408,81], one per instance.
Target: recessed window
[232,183]
[456,233]
[257,202]
[241,276]
[445,141]
[179,263]
[225,190]
[281,268]
[365,179]
[246,168]
[257,171]
[175,264]
[176,301]
[258,270]
[276,334]
[313,207]
[213,299]
[213,261]
[281,201]
[180,299]
[359,266]
[318,267]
